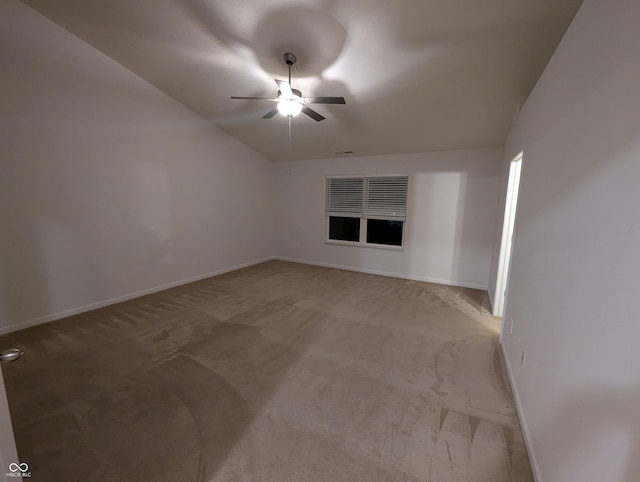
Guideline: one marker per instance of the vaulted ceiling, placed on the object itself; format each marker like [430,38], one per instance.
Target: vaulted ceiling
[417,75]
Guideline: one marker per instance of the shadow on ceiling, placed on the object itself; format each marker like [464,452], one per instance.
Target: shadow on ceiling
[313,35]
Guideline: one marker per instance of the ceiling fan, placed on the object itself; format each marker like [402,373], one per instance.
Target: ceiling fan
[290,101]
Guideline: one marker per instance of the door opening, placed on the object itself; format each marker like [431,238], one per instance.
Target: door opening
[506,244]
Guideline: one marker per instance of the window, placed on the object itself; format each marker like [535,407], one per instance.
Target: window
[344,229]
[366,210]
[384,231]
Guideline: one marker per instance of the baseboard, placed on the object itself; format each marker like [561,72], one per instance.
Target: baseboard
[535,468]
[118,299]
[386,273]
[100,304]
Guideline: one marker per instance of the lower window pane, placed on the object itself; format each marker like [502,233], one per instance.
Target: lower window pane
[344,229]
[382,231]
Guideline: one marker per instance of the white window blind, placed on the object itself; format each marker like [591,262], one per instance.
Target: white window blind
[386,197]
[345,196]
[368,197]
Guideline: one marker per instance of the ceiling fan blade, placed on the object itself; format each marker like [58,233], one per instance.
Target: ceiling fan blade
[285,88]
[271,113]
[254,98]
[313,114]
[324,100]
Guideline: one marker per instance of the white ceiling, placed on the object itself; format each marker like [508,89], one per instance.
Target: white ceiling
[417,75]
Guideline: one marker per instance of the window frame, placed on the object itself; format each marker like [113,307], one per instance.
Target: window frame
[362,238]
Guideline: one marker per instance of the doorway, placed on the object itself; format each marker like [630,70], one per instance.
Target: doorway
[506,244]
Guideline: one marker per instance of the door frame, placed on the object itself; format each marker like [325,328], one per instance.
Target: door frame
[508,228]
[8,452]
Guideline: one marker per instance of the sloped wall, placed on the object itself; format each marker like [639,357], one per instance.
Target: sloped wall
[574,279]
[108,187]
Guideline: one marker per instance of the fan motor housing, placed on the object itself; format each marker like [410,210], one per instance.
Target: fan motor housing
[289,58]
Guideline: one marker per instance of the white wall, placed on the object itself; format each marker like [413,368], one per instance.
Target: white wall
[574,286]
[451,215]
[108,187]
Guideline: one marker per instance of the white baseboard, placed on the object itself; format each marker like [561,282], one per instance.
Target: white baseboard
[118,299]
[100,304]
[386,273]
[535,467]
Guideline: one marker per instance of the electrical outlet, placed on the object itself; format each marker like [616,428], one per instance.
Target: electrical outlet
[523,358]
[511,330]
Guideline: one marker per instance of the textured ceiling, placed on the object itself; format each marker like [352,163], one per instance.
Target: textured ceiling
[417,75]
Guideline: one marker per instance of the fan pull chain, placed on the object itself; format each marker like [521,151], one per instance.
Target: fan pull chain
[290,158]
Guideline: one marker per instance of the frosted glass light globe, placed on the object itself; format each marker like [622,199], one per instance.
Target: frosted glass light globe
[289,107]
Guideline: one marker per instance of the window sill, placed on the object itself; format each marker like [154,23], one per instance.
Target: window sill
[364,245]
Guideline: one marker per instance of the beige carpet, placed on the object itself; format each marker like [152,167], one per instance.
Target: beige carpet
[278,372]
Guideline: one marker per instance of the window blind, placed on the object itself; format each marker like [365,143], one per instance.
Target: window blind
[345,196]
[386,197]
[383,197]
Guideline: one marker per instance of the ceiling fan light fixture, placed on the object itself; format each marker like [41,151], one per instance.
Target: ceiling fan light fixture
[289,107]
[290,101]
